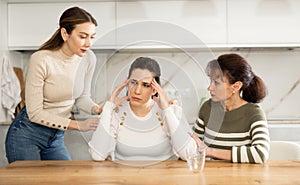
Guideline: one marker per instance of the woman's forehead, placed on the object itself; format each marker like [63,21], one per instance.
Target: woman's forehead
[141,74]
[87,28]
[218,75]
[215,74]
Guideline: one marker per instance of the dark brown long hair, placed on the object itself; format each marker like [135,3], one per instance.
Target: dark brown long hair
[236,68]
[68,20]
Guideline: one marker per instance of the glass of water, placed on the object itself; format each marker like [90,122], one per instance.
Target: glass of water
[196,159]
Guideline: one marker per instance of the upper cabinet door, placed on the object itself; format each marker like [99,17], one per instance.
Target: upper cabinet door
[171,23]
[264,22]
[30,25]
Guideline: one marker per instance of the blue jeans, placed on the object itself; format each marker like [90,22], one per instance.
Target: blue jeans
[26,140]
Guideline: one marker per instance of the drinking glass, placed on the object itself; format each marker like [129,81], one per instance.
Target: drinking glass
[196,159]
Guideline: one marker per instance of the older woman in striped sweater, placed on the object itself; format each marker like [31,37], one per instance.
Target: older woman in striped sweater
[231,123]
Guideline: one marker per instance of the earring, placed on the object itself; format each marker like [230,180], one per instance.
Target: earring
[233,92]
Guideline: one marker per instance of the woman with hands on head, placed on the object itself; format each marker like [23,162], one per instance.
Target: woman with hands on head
[231,123]
[142,125]
[59,76]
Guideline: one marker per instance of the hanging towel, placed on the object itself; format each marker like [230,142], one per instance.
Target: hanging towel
[10,88]
[19,73]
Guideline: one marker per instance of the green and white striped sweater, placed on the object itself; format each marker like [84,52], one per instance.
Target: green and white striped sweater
[244,131]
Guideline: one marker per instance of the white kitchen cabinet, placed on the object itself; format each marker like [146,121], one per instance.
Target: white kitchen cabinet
[164,24]
[31,24]
[171,23]
[264,22]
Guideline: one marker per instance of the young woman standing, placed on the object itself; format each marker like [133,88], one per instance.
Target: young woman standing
[59,76]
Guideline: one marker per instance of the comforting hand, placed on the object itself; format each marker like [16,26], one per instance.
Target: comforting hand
[162,101]
[114,97]
[88,124]
[199,143]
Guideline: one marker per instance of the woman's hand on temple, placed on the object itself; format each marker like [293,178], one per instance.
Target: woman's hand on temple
[162,100]
[114,97]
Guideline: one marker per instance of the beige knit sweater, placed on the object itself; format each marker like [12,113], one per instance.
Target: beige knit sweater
[54,83]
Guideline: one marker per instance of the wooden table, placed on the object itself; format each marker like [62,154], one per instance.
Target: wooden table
[162,173]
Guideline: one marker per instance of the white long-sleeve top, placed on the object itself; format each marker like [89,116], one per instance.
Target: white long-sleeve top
[160,135]
[54,83]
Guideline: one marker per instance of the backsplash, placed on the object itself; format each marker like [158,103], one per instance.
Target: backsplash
[184,78]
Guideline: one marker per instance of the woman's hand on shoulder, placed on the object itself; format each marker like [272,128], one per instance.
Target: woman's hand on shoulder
[115,95]
[88,124]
